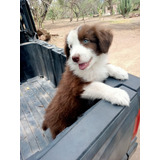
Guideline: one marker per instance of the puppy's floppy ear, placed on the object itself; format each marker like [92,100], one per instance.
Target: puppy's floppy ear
[66,48]
[105,38]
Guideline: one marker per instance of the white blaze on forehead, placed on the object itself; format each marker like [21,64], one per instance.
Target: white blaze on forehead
[73,37]
[77,48]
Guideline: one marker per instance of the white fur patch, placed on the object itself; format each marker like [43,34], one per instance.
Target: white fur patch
[117,72]
[99,90]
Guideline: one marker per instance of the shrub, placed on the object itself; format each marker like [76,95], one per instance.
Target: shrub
[124,7]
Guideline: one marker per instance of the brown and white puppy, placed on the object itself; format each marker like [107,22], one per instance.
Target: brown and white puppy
[86,49]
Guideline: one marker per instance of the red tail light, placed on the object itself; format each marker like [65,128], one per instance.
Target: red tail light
[136,125]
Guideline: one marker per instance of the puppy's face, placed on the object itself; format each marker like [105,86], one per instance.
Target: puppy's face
[85,44]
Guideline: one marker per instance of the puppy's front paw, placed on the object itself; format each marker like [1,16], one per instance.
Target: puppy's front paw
[120,97]
[121,74]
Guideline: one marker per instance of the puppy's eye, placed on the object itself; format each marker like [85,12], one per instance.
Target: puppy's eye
[86,41]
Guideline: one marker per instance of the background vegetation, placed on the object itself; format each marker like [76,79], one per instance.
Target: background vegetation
[62,9]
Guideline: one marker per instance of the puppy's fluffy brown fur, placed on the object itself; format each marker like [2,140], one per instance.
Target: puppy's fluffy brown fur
[67,105]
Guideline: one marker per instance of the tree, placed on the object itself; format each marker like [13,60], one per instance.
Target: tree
[72,6]
[54,11]
[45,6]
[136,5]
[110,6]
[85,7]
[78,8]
[124,7]
[39,10]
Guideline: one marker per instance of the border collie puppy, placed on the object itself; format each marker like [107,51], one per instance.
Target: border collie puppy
[86,48]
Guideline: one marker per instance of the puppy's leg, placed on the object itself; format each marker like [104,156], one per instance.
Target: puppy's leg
[56,129]
[117,72]
[98,90]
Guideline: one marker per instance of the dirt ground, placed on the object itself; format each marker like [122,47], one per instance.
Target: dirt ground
[124,51]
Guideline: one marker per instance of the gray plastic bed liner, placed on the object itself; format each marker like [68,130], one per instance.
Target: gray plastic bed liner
[88,138]
[36,93]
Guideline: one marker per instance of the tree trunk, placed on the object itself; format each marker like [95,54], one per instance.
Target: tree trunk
[39,10]
[111,7]
[45,6]
[76,15]
[71,16]
[82,16]
[43,16]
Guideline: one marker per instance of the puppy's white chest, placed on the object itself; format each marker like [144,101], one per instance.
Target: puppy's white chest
[97,74]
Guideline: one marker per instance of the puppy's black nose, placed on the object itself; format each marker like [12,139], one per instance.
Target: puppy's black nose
[75,58]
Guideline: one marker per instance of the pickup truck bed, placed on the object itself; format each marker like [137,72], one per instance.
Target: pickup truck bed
[36,93]
[103,132]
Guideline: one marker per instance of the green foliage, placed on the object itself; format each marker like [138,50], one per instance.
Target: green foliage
[54,11]
[136,5]
[60,9]
[75,8]
[61,2]
[124,7]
